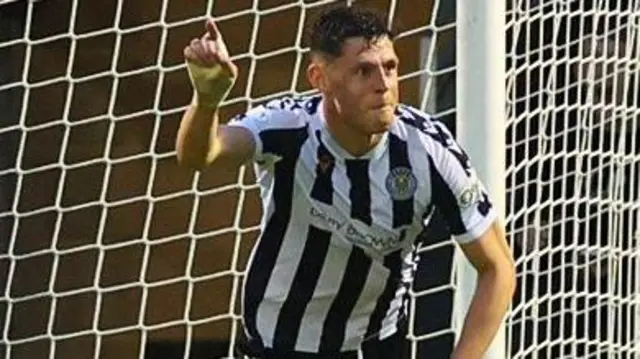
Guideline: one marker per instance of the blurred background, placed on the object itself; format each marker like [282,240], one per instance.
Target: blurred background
[108,249]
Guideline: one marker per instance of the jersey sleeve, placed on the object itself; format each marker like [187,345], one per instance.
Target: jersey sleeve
[456,190]
[277,115]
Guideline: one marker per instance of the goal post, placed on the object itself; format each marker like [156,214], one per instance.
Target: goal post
[480,124]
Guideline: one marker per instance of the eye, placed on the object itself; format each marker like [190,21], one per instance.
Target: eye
[363,71]
[391,65]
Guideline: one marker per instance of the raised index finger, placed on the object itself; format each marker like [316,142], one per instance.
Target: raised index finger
[212,30]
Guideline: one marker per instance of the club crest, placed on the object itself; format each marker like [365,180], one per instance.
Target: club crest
[401,183]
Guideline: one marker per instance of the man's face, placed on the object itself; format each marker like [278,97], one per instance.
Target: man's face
[363,84]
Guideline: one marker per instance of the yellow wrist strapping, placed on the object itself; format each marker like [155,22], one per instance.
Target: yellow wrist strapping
[211,84]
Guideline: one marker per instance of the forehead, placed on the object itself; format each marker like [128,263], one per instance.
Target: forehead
[360,48]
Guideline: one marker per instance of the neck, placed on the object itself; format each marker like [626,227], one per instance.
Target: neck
[352,140]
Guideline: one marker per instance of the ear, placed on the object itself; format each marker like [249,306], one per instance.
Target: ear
[318,73]
[315,75]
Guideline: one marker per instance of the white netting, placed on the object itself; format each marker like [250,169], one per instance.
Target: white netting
[109,250]
[573,170]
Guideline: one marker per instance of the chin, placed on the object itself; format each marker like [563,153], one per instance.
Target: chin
[382,124]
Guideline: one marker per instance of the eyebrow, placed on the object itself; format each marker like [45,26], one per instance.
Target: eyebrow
[368,63]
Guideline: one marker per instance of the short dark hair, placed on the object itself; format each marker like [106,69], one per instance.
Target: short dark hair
[329,31]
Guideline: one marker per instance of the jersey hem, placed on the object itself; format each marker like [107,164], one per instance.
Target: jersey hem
[478,230]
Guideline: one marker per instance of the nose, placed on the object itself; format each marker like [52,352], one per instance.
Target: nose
[382,80]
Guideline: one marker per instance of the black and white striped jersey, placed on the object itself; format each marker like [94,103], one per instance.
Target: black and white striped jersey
[331,266]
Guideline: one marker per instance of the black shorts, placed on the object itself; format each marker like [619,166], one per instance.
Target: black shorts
[394,347]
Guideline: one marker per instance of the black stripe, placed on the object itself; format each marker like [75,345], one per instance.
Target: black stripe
[399,158]
[393,262]
[444,199]
[398,152]
[360,193]
[287,144]
[353,281]
[302,288]
[322,185]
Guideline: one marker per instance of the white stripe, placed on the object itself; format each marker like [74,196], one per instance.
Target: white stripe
[268,206]
[420,163]
[316,312]
[359,319]
[380,198]
[285,269]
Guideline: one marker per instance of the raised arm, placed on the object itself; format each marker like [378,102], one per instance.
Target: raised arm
[201,140]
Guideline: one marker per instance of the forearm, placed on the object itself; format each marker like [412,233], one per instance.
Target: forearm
[197,130]
[488,307]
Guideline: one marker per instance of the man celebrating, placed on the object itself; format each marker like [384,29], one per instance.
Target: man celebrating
[347,179]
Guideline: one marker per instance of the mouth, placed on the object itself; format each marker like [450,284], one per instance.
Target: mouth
[381,106]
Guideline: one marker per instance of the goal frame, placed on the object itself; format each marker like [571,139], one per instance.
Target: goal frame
[480,126]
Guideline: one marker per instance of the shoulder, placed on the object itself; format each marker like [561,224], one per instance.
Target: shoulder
[283,112]
[434,138]
[417,122]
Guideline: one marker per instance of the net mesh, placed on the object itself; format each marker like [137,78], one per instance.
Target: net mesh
[573,166]
[110,250]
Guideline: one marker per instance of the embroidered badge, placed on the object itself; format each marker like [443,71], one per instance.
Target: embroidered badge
[470,195]
[401,183]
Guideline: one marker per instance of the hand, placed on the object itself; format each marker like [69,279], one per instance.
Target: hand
[210,68]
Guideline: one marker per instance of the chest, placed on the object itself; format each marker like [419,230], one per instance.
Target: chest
[367,202]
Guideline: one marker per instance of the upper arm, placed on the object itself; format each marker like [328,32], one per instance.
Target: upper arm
[234,146]
[490,250]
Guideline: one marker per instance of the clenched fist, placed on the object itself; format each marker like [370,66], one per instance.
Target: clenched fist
[210,68]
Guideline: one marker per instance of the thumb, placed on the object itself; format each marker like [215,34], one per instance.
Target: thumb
[228,66]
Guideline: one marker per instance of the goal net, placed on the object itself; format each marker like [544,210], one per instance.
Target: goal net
[109,250]
[573,159]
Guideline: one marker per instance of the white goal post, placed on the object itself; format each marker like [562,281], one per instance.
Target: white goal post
[480,123]
[109,250]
